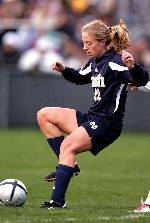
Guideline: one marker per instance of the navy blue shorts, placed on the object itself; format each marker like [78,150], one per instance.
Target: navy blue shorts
[102,129]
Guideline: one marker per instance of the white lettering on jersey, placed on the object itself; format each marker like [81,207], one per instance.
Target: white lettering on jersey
[98,81]
[97,95]
[93,125]
[115,66]
[86,70]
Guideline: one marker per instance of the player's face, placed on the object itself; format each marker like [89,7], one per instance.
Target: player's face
[93,47]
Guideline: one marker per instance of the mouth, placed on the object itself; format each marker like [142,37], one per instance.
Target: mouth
[88,53]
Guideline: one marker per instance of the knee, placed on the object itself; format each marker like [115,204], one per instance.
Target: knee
[66,147]
[41,116]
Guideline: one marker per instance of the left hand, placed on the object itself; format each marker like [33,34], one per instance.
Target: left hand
[128,59]
[134,88]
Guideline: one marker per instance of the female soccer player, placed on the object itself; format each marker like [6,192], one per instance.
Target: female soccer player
[145,88]
[102,124]
[145,206]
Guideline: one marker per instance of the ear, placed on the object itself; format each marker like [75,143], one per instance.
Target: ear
[103,42]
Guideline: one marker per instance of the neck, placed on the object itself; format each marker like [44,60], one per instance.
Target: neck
[103,51]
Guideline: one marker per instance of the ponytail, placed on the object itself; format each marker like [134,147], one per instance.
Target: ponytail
[120,39]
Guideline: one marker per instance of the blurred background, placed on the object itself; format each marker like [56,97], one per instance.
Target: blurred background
[35,33]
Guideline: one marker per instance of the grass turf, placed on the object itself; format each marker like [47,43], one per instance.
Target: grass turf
[108,188]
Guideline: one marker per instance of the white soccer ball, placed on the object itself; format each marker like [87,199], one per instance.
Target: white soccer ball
[12,193]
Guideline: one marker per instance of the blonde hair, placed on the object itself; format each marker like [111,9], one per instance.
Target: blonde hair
[117,37]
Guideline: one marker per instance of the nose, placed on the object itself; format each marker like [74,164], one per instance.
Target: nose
[85,47]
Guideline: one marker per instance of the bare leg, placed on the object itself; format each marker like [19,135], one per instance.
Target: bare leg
[54,121]
[77,142]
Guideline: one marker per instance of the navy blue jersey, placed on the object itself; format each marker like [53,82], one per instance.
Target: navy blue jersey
[109,77]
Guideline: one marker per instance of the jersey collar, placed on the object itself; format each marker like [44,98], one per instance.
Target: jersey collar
[106,54]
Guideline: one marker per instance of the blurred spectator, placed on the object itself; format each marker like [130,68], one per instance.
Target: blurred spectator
[34,33]
[140,49]
[136,13]
[79,6]
[12,9]
[42,55]
[74,54]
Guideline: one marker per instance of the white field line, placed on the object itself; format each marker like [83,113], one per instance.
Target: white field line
[43,220]
[100,218]
[131,216]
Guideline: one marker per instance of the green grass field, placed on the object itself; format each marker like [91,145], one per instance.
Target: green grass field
[109,187]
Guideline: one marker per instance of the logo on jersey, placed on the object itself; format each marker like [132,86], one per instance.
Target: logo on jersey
[93,125]
[86,70]
[98,81]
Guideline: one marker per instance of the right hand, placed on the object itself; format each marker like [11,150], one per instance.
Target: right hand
[58,66]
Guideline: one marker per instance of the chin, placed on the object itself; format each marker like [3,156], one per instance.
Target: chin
[90,55]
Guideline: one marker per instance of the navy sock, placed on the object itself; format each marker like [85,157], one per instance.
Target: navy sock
[55,144]
[63,176]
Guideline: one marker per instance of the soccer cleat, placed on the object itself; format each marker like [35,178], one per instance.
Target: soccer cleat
[52,205]
[144,208]
[51,176]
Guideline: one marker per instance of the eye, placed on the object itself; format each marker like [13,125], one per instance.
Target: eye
[88,43]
